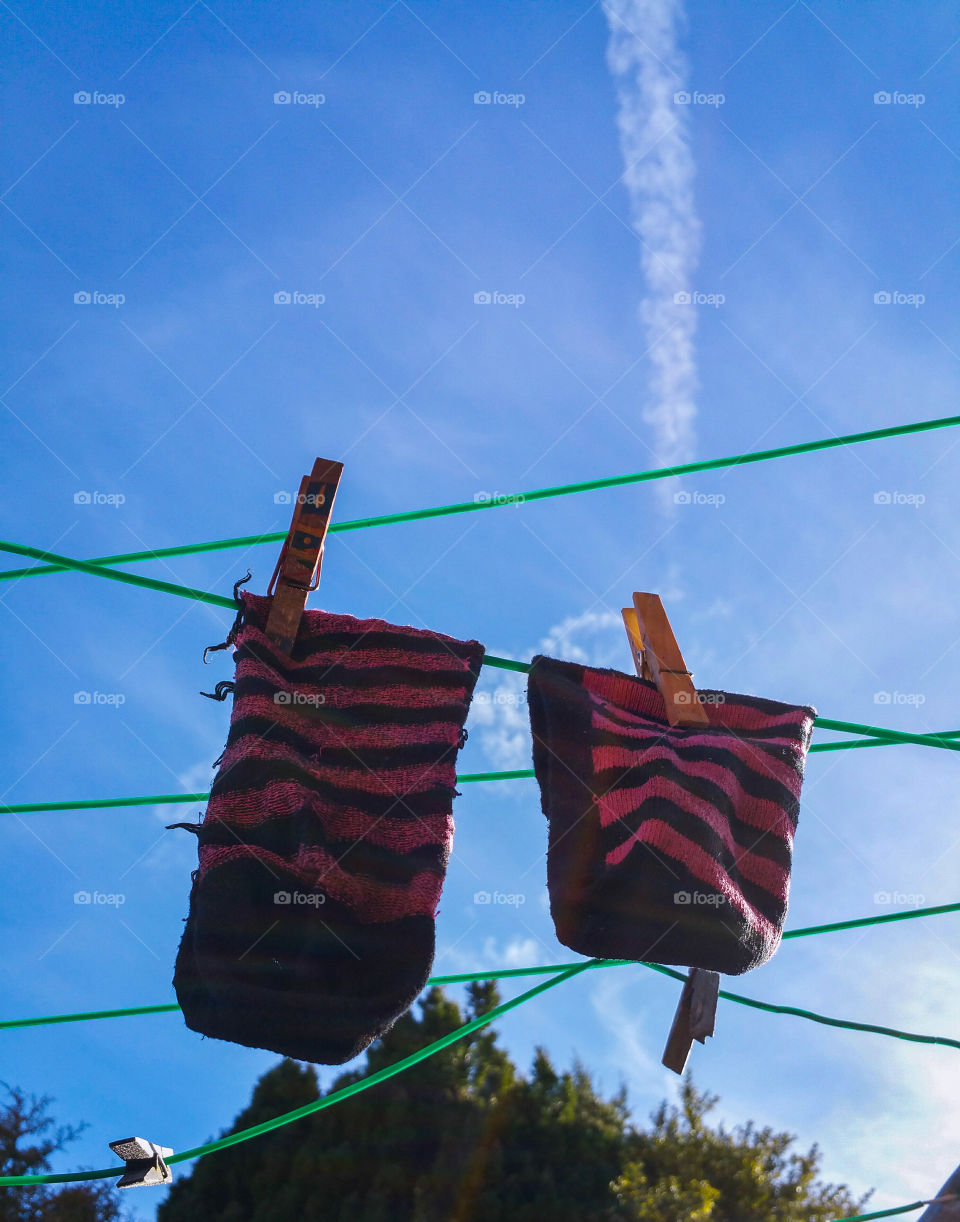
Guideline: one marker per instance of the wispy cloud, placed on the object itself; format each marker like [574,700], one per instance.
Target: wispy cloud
[648,70]
[513,952]
[632,1047]
[594,638]
[501,716]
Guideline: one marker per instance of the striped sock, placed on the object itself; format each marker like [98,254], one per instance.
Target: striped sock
[667,844]
[325,842]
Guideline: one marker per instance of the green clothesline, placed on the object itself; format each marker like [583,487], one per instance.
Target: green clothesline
[710,464]
[11,1181]
[504,973]
[890,738]
[512,972]
[849,727]
[846,1024]
[889,1213]
[130,579]
[561,973]
[55,562]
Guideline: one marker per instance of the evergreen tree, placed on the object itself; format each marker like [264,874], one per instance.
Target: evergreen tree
[27,1139]
[460,1136]
[686,1170]
[463,1137]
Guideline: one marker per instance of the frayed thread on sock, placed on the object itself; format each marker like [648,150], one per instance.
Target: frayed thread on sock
[232,634]
[224,688]
[187,827]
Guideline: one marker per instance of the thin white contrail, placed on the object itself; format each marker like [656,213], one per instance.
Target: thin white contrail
[648,70]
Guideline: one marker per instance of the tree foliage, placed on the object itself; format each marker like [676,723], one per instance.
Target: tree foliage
[28,1137]
[684,1169]
[465,1137]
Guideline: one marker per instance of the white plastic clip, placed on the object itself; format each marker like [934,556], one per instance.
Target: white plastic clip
[145,1163]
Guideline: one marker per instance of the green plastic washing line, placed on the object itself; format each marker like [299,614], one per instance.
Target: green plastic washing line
[562,973]
[465,778]
[489,659]
[233,1139]
[500,973]
[130,579]
[55,563]
[514,499]
[899,1209]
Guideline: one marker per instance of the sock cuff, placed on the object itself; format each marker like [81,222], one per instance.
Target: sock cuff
[323,633]
[725,710]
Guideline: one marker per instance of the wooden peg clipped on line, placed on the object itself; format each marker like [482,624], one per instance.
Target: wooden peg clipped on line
[694,1019]
[657,656]
[298,569]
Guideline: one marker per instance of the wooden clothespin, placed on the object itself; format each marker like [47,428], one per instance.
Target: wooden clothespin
[657,656]
[298,569]
[694,1019]
[145,1163]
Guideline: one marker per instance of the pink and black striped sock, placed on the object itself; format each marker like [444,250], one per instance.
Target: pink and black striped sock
[325,842]
[667,844]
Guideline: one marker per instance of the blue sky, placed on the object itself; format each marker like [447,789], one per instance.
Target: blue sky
[782,197]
